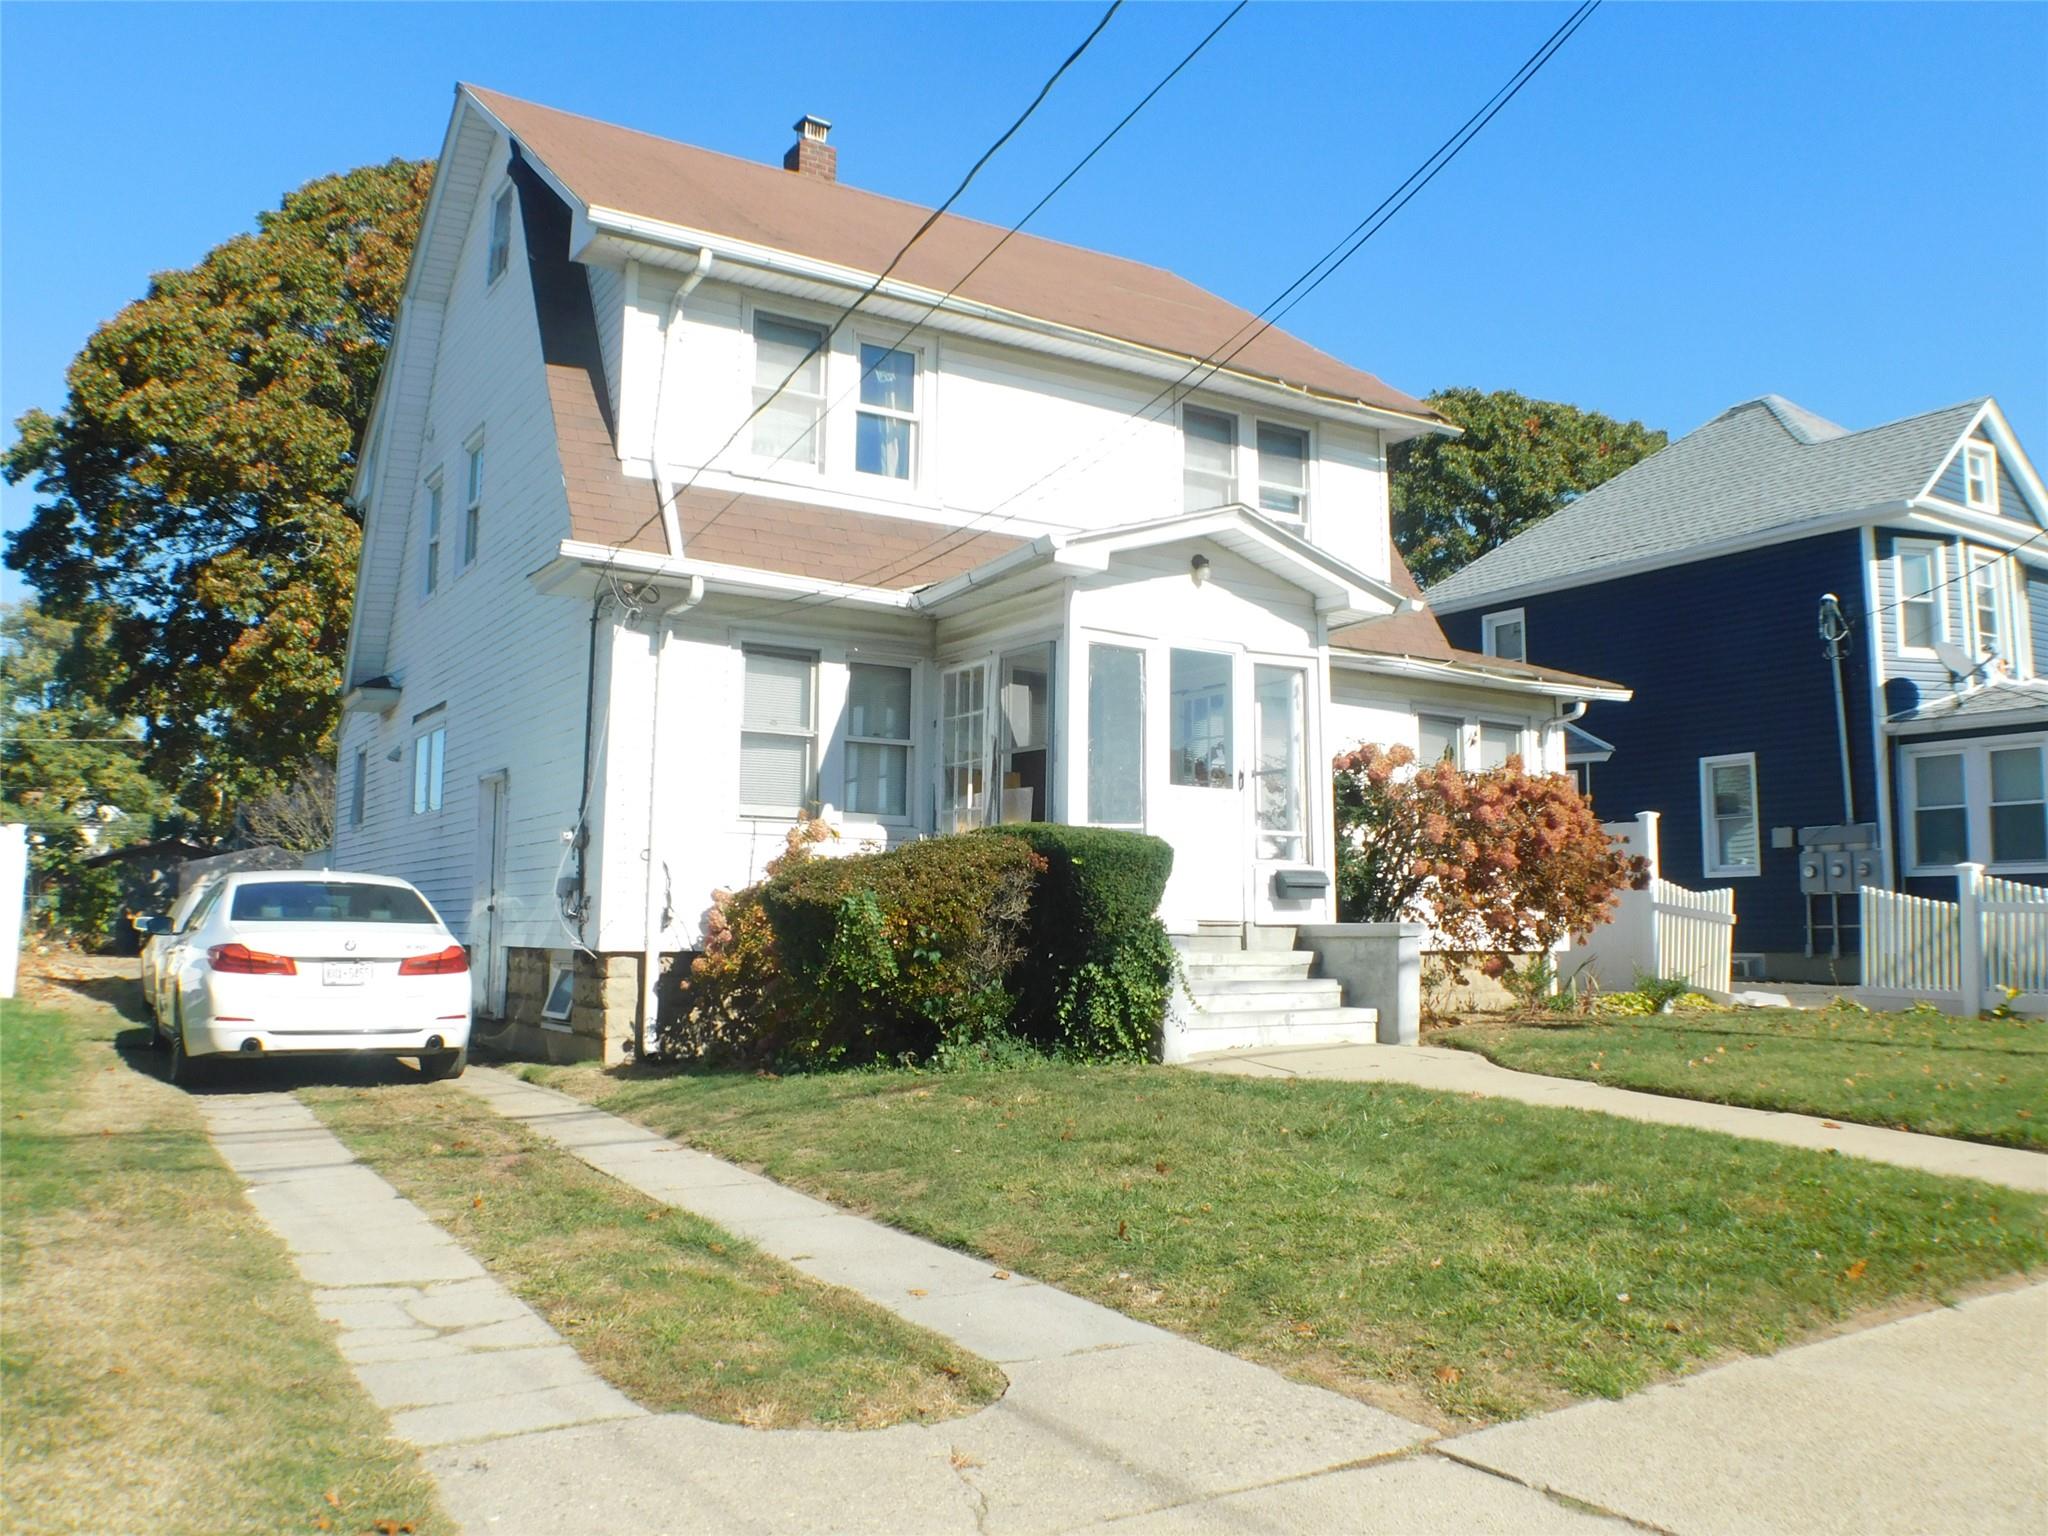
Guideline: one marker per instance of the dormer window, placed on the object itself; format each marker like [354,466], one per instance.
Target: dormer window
[500,255]
[1283,471]
[1505,635]
[1209,459]
[1980,477]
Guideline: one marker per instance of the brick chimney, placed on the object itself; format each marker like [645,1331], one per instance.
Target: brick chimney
[810,155]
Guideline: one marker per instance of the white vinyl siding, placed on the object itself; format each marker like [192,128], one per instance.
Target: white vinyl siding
[1209,459]
[778,733]
[1729,817]
[1922,609]
[1981,802]
[878,751]
[789,390]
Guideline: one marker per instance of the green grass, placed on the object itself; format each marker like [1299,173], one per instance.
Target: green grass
[162,1366]
[1453,1257]
[675,1312]
[1977,1079]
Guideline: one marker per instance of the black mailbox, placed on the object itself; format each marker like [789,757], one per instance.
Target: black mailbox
[1300,884]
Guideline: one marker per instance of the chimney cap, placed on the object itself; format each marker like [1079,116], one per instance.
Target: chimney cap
[812,126]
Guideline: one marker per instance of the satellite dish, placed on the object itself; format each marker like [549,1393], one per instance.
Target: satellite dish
[1960,663]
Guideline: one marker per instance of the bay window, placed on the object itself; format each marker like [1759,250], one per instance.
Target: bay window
[778,733]
[1728,816]
[878,740]
[789,389]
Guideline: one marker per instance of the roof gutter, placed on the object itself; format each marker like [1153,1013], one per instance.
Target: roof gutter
[1424,669]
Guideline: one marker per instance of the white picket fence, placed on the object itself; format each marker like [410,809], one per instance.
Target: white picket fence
[1961,955]
[1665,930]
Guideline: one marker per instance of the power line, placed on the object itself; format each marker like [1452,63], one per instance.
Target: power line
[931,308]
[872,288]
[1313,276]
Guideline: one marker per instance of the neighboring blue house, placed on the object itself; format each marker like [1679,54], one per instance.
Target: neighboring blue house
[1699,578]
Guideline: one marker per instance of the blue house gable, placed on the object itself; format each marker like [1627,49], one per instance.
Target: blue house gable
[1697,579]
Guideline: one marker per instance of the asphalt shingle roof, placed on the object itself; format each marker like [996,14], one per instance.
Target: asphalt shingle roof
[1757,468]
[2000,696]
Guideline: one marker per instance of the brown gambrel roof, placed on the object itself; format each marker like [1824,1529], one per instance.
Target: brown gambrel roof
[636,173]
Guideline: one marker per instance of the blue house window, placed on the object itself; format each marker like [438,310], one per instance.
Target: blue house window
[1728,816]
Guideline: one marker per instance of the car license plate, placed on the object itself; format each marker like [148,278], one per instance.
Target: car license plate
[344,973]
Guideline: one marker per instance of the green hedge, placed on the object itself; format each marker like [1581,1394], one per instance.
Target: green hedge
[1098,968]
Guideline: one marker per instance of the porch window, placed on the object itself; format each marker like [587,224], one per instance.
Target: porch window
[1209,462]
[1277,708]
[1919,577]
[1941,817]
[1116,736]
[1729,815]
[788,413]
[1505,635]
[885,432]
[1283,470]
[778,733]
[1201,741]
[1980,477]
[1437,738]
[963,748]
[878,740]
[2019,806]
[1497,743]
[1026,719]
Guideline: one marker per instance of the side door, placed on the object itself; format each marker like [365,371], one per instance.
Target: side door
[1282,831]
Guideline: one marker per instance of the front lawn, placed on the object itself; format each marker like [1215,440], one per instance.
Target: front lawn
[1448,1257]
[678,1314]
[1978,1079]
[162,1365]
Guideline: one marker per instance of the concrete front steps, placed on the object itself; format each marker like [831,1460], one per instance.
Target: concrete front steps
[1251,987]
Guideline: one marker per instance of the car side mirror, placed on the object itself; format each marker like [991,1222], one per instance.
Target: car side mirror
[153,924]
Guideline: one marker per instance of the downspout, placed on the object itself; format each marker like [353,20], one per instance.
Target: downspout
[652,914]
[671,524]
[1566,717]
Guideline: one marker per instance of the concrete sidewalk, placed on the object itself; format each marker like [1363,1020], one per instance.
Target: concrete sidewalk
[1453,1071]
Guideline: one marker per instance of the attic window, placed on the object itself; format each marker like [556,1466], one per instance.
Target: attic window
[501,237]
[1980,477]
[1505,635]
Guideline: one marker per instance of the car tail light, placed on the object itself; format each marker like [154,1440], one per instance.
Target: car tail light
[451,961]
[241,960]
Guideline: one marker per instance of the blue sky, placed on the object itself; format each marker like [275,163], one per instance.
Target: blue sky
[1692,205]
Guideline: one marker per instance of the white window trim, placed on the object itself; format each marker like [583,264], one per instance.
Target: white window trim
[1979,562]
[1308,470]
[1711,869]
[792,313]
[1937,553]
[812,805]
[501,198]
[475,470]
[1494,621]
[1975,453]
[1236,449]
[915,416]
[1975,752]
[908,742]
[435,523]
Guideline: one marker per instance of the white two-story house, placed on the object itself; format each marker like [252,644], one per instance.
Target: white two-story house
[664,550]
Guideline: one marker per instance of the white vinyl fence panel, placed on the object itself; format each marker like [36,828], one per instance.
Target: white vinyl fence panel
[1666,930]
[1961,955]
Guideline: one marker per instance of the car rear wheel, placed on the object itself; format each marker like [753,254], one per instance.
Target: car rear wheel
[186,1071]
[443,1065]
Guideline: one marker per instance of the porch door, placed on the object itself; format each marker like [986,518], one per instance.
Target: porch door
[1279,782]
[1202,802]
[487,954]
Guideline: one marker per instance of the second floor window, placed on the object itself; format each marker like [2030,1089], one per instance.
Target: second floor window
[1504,635]
[1920,620]
[500,255]
[430,572]
[885,435]
[1209,459]
[473,506]
[789,390]
[1987,602]
[1283,470]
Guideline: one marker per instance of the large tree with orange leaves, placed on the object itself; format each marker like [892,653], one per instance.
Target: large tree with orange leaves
[194,486]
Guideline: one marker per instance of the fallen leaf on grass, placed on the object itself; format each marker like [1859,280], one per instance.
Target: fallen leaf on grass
[949,1370]
[1436,1263]
[1673,1327]
[1123,1231]
[1448,1374]
[333,1498]
[1160,1167]
[1306,1330]
[476,1203]
[1855,1271]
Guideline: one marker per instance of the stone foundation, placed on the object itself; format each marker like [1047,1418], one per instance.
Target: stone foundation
[604,1016]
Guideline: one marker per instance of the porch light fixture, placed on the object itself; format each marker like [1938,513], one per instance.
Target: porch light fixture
[1198,568]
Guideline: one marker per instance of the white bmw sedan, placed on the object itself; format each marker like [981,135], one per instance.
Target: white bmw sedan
[311,962]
